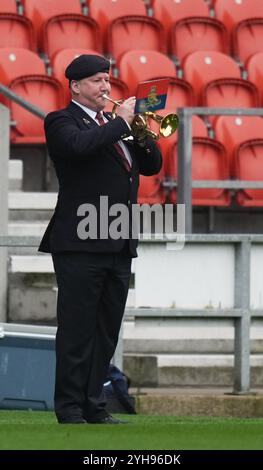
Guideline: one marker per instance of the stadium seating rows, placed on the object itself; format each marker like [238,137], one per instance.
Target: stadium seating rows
[182,40]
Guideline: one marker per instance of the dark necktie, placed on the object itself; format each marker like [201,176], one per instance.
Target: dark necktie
[118,148]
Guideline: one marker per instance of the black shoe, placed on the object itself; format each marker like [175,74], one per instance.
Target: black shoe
[72,421]
[106,420]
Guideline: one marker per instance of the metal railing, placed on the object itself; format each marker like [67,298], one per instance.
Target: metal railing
[185,183]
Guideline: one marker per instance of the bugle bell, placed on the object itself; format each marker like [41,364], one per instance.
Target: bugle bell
[167,124]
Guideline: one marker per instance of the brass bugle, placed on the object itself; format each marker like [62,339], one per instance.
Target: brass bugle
[168,124]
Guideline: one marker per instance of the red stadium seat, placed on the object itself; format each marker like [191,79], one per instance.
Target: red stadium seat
[216,80]
[180,94]
[41,91]
[15,62]
[244,20]
[126,33]
[139,65]
[105,11]
[61,25]
[8,6]
[170,11]
[208,163]
[151,190]
[249,167]
[199,129]
[231,12]
[255,72]
[198,33]
[231,131]
[16,31]
[248,38]
[24,73]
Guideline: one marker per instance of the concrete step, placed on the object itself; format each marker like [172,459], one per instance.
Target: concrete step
[187,370]
[198,402]
[15,174]
[27,228]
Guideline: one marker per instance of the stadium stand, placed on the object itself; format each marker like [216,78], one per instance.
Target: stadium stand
[255,72]
[61,24]
[217,81]
[231,131]
[249,166]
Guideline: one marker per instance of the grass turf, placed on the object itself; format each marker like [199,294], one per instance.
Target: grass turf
[32,430]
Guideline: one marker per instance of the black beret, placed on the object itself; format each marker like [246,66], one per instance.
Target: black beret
[86,65]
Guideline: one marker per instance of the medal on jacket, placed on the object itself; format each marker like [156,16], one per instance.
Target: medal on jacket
[86,121]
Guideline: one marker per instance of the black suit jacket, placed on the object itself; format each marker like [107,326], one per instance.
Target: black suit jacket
[88,166]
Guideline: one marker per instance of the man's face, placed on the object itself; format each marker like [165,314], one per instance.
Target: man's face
[89,91]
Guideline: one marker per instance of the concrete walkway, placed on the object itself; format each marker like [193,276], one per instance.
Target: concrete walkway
[198,402]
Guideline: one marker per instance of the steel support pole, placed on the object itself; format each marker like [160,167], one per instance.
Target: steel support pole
[4,161]
[242,324]
[184,189]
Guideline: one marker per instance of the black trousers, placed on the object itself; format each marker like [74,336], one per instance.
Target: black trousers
[92,292]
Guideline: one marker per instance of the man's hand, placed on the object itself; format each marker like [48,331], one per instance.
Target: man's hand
[126,109]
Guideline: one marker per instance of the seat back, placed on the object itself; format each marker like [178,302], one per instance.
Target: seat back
[15,62]
[180,94]
[248,38]
[249,166]
[231,12]
[105,11]
[16,31]
[139,65]
[70,31]
[168,11]
[230,92]
[41,91]
[8,6]
[199,129]
[231,131]
[202,67]
[40,12]
[125,34]
[151,190]
[208,163]
[255,72]
[198,33]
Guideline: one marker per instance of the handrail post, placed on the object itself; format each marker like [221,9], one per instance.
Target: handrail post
[184,179]
[4,153]
[242,324]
